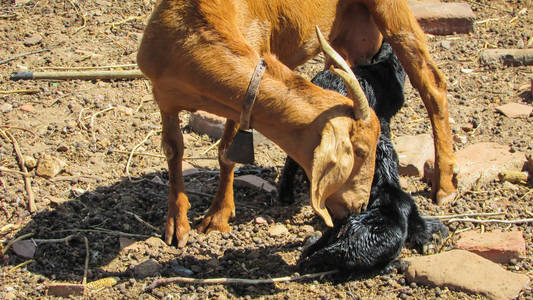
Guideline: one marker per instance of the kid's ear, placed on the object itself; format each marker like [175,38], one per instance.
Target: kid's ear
[332,164]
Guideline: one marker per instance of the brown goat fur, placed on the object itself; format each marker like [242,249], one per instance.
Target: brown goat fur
[201,54]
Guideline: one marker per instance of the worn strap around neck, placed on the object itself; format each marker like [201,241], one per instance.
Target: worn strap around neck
[251,94]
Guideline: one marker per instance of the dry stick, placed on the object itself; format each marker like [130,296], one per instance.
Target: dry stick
[3,169]
[133,151]
[23,129]
[517,221]
[19,92]
[241,281]
[140,153]
[21,265]
[27,177]
[211,147]
[106,231]
[86,269]
[91,124]
[468,215]
[22,55]
[143,221]
[90,68]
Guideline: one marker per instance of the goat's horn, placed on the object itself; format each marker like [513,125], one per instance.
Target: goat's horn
[361,109]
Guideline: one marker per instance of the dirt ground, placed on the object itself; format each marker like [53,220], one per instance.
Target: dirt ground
[92,126]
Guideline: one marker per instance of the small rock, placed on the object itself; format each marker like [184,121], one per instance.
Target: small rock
[507,57]
[27,108]
[496,246]
[413,151]
[29,161]
[6,107]
[515,110]
[33,40]
[147,268]
[530,162]
[62,148]
[261,221]
[446,45]
[124,242]
[126,110]
[278,230]
[468,127]
[465,271]
[188,169]
[307,228]
[254,182]
[24,248]
[64,289]
[181,270]
[49,166]
[55,201]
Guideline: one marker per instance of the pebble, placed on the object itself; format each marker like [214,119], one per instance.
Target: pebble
[6,107]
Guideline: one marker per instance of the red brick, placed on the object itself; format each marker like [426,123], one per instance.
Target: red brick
[483,162]
[465,271]
[496,246]
[205,123]
[444,18]
[413,151]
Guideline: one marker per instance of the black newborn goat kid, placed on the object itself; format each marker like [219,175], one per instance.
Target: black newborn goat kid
[368,242]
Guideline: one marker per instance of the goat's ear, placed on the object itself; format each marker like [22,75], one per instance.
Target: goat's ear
[332,165]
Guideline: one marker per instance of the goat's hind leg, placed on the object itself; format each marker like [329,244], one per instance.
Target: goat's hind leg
[223,207]
[178,204]
[400,28]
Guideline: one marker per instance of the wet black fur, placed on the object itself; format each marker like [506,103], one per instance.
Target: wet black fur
[370,241]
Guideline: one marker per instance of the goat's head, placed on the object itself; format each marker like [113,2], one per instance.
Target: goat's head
[343,162]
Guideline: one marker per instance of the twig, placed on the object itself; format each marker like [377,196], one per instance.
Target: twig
[19,92]
[27,177]
[3,169]
[106,231]
[90,68]
[80,122]
[23,129]
[468,215]
[91,124]
[21,265]
[10,243]
[60,240]
[211,147]
[113,25]
[152,132]
[143,221]
[140,153]
[85,270]
[517,221]
[240,281]
[22,55]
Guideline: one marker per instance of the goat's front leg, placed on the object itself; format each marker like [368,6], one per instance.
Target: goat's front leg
[223,207]
[401,30]
[178,203]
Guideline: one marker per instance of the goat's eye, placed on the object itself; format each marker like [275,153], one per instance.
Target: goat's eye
[361,151]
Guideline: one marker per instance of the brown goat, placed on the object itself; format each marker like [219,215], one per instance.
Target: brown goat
[201,54]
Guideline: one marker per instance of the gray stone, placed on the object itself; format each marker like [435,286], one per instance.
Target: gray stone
[254,182]
[24,248]
[147,268]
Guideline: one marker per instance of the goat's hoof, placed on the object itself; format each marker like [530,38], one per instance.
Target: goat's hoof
[444,198]
[214,223]
[180,229]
